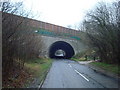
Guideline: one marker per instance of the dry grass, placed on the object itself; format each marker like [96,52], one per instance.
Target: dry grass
[32,68]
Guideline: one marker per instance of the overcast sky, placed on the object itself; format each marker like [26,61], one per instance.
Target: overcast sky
[61,12]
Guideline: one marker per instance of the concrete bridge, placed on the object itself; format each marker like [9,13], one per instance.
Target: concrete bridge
[70,46]
[55,38]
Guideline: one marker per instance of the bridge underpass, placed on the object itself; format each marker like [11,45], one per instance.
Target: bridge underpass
[67,47]
[61,49]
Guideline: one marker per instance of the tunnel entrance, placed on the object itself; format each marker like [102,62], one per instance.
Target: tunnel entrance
[61,49]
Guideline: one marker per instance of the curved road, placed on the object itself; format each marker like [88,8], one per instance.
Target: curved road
[69,74]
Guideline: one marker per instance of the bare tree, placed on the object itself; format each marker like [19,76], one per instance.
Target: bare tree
[19,41]
[103,31]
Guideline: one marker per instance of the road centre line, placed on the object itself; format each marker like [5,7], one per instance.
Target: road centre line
[82,75]
[69,65]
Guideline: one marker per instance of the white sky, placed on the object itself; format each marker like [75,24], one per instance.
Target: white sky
[61,12]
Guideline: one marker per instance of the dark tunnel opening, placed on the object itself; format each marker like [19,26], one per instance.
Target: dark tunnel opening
[63,49]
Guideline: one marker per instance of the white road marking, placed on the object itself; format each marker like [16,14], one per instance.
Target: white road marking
[82,75]
[69,65]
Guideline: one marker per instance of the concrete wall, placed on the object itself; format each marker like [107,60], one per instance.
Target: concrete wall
[78,46]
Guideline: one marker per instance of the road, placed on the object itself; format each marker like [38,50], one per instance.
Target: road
[70,74]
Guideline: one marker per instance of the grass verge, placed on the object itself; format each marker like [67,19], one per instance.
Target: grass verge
[108,67]
[38,68]
[78,59]
[33,69]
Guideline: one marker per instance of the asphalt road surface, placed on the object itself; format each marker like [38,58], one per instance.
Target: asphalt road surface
[70,74]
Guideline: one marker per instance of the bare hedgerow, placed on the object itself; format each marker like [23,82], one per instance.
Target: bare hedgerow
[19,41]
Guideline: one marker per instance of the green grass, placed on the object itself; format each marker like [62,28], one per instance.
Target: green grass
[78,59]
[109,67]
[38,67]
[81,56]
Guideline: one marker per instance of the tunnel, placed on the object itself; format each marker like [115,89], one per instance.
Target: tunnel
[63,50]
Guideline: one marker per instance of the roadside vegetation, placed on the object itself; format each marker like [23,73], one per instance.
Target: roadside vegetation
[33,69]
[86,55]
[109,67]
[20,46]
[78,59]
[101,29]
[38,69]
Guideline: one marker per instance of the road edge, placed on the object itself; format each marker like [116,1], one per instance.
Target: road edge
[102,71]
[42,81]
